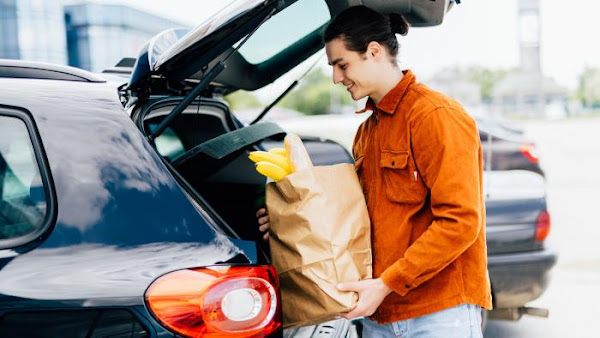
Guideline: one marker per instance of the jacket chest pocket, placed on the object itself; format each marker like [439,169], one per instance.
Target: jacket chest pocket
[401,180]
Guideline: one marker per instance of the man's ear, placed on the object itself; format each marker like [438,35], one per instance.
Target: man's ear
[374,50]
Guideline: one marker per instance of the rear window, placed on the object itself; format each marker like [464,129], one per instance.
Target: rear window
[285,28]
[23,197]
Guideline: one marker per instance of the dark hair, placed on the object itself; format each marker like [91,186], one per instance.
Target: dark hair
[359,25]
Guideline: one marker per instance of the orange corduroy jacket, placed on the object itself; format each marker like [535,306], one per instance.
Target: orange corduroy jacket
[419,161]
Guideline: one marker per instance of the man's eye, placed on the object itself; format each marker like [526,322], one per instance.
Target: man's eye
[343,66]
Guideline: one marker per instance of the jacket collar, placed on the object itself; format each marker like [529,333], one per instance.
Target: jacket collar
[390,101]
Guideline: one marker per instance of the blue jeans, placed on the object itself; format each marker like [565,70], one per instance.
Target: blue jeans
[462,321]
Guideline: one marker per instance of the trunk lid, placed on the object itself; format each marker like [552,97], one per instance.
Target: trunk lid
[179,54]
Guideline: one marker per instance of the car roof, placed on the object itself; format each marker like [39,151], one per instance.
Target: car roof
[46,71]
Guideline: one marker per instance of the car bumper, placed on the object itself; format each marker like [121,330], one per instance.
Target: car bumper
[520,277]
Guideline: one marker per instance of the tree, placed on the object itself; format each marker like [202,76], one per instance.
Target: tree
[588,91]
[486,78]
[316,94]
[242,99]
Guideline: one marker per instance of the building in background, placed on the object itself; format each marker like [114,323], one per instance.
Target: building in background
[527,92]
[87,35]
[99,35]
[456,84]
[33,30]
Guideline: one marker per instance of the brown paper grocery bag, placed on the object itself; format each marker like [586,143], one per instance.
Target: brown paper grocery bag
[320,236]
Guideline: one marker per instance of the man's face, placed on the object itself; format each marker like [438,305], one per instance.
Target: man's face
[352,69]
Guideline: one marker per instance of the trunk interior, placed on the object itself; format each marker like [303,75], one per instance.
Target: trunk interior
[230,185]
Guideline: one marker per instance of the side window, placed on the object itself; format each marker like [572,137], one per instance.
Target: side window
[23,198]
[168,144]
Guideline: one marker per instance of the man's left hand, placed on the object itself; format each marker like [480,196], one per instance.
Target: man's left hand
[371,293]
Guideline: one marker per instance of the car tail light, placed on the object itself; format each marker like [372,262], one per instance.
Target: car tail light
[217,301]
[542,226]
[529,151]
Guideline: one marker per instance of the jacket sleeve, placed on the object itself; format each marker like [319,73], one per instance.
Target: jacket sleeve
[447,152]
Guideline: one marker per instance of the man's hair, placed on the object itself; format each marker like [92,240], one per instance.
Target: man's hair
[359,25]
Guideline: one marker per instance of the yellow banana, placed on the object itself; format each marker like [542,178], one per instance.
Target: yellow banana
[271,170]
[279,151]
[281,161]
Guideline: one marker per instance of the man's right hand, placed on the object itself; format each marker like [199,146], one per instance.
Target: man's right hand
[263,223]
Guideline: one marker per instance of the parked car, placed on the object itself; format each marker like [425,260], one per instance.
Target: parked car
[97,237]
[506,147]
[517,226]
[517,219]
[129,210]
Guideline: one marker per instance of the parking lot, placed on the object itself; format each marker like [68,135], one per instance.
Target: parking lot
[570,152]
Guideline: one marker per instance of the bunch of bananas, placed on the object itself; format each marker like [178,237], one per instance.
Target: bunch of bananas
[274,163]
[277,163]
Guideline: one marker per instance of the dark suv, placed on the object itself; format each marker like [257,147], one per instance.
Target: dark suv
[98,237]
[128,210]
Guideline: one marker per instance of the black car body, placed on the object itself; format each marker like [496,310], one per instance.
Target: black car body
[506,147]
[517,226]
[129,210]
[114,217]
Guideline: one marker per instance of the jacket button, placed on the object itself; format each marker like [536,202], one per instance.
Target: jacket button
[407,286]
[393,162]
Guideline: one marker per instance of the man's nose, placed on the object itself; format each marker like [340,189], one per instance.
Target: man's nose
[337,75]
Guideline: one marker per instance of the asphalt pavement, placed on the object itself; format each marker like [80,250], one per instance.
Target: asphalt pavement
[570,155]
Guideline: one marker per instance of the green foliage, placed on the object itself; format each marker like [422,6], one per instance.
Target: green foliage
[588,91]
[487,78]
[241,99]
[316,94]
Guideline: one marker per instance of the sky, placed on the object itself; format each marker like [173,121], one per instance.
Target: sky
[476,32]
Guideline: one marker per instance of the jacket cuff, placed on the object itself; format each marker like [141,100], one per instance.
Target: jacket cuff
[396,278]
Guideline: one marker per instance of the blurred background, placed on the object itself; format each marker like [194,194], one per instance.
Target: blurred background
[528,67]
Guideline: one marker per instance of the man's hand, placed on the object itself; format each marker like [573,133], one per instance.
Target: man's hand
[371,293]
[263,223]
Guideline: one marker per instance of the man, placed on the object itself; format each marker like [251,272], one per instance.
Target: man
[419,160]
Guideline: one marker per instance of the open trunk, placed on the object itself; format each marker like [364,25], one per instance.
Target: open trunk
[229,186]
[200,139]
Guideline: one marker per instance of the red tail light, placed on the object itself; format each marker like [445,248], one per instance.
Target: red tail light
[528,150]
[217,301]
[542,226]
